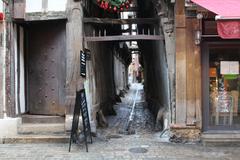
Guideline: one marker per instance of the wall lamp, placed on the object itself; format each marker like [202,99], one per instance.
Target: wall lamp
[198,35]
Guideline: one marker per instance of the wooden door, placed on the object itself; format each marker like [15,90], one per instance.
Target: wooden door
[46,68]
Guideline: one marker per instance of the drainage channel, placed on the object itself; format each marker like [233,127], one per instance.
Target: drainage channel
[131,116]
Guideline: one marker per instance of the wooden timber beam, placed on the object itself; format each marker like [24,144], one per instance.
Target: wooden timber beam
[131,9]
[128,30]
[123,38]
[121,21]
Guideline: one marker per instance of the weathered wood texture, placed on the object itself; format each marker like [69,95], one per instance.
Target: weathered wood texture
[1,73]
[188,72]
[46,68]
[180,63]
[190,81]
[121,21]
[155,76]
[10,71]
[124,38]
[194,90]
[43,16]
[198,85]
[74,37]
[169,36]
[102,80]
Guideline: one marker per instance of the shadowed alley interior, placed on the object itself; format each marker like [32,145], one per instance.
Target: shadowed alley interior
[108,71]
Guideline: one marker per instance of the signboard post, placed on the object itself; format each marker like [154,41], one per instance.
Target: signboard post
[80,106]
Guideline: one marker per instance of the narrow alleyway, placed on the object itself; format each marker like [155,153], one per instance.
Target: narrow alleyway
[142,122]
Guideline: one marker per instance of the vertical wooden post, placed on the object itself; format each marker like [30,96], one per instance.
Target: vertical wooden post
[10,64]
[191,85]
[198,82]
[181,73]
[170,54]
[74,31]
[1,71]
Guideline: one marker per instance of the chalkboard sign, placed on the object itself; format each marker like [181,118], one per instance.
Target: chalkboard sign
[83,64]
[80,106]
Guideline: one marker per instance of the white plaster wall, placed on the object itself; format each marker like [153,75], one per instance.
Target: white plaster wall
[57,5]
[9,126]
[33,6]
[53,5]
[15,67]
[1,6]
[21,70]
[22,79]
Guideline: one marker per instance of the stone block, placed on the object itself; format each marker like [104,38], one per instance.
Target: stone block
[9,126]
[187,133]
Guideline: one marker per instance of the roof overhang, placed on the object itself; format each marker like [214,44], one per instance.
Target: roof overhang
[228,16]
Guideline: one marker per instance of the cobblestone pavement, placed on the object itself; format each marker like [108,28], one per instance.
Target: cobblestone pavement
[111,145]
[118,149]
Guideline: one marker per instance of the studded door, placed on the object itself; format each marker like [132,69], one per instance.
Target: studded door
[46,68]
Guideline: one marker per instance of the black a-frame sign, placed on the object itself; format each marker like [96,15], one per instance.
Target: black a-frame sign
[80,106]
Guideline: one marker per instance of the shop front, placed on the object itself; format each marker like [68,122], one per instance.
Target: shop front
[220,64]
[221,85]
[207,70]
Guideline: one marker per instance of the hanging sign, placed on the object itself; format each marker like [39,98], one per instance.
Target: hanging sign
[229,67]
[228,29]
[83,64]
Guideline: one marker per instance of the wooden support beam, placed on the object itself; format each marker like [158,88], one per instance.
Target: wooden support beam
[131,9]
[181,61]
[128,30]
[123,38]
[121,21]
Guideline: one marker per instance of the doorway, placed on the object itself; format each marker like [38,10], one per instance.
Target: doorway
[45,62]
[221,85]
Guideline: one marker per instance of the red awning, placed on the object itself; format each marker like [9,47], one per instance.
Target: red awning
[228,29]
[228,19]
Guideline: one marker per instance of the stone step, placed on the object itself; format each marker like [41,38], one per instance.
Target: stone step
[61,138]
[221,139]
[41,128]
[28,118]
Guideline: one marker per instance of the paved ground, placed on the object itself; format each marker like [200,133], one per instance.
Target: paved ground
[116,149]
[110,145]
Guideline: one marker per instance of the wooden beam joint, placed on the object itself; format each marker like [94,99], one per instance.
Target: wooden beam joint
[121,21]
